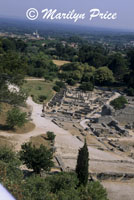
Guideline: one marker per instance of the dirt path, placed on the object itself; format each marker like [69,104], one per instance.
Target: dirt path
[34,79]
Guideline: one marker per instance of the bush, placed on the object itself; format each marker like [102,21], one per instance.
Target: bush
[56,88]
[71,82]
[10,174]
[50,136]
[48,77]
[39,88]
[11,177]
[36,158]
[64,186]
[93,191]
[87,86]
[8,156]
[41,98]
[130,91]
[119,103]
[60,84]
[16,118]
[36,188]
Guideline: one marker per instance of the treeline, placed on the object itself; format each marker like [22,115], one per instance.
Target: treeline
[111,67]
[99,67]
[28,57]
[91,64]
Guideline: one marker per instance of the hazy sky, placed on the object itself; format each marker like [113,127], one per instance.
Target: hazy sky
[123,8]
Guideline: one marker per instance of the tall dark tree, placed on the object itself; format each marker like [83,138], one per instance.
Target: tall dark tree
[82,165]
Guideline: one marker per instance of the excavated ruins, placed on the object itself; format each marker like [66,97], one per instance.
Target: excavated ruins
[109,134]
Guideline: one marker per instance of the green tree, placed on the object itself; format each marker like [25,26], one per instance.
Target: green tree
[129,79]
[16,118]
[60,84]
[71,82]
[12,71]
[119,102]
[104,76]
[76,75]
[118,65]
[36,158]
[82,165]
[87,86]
[88,77]
[94,56]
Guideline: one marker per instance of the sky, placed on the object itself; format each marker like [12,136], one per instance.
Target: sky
[123,8]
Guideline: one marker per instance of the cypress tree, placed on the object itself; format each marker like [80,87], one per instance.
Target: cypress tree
[82,165]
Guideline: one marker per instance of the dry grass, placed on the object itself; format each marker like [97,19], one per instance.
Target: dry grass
[59,63]
[28,127]
[5,142]
[25,129]
[41,139]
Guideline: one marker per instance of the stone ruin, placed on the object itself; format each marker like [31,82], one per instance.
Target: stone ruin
[73,104]
[117,121]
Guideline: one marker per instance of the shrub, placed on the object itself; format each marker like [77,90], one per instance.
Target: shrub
[130,91]
[36,188]
[50,136]
[41,98]
[7,155]
[60,84]
[93,191]
[71,82]
[56,88]
[64,186]
[119,103]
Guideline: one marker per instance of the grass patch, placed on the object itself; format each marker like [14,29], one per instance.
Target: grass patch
[59,63]
[36,88]
[41,139]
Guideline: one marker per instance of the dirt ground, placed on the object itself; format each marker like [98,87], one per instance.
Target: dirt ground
[119,190]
